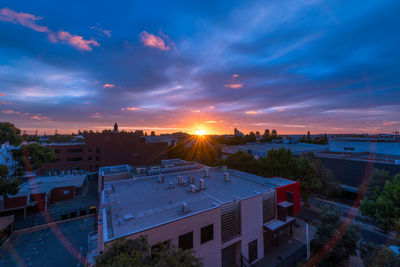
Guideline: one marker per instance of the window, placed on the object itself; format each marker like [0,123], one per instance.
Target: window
[75,150]
[253,253]
[97,150]
[186,241]
[90,158]
[97,158]
[207,233]
[74,159]
[89,150]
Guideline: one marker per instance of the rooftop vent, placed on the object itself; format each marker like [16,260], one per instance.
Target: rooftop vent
[191,179]
[193,188]
[185,208]
[206,172]
[202,184]
[180,180]
[171,185]
[226,177]
[161,178]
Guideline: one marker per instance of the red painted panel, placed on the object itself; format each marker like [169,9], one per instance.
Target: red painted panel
[40,199]
[15,202]
[62,193]
[295,189]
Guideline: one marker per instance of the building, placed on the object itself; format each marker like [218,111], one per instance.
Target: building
[40,191]
[226,216]
[106,149]
[261,149]
[372,146]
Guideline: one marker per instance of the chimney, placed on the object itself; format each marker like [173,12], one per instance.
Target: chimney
[226,177]
[202,184]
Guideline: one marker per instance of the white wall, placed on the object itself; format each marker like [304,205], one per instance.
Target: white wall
[389,148]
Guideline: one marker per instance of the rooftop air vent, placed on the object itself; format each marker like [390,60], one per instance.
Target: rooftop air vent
[206,173]
[191,179]
[161,178]
[185,207]
[193,188]
[128,217]
[171,185]
[202,184]
[226,177]
[180,180]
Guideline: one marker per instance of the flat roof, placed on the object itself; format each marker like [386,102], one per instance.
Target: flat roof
[115,169]
[135,205]
[264,147]
[44,184]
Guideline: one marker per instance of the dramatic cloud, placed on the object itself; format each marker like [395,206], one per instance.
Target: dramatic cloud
[73,40]
[29,20]
[9,111]
[130,109]
[25,19]
[151,40]
[109,85]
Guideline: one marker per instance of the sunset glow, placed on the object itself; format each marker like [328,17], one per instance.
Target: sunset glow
[200,132]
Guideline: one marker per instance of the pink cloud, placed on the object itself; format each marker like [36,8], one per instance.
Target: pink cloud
[24,19]
[235,75]
[9,111]
[109,85]
[130,108]
[151,40]
[211,122]
[2,94]
[234,85]
[195,110]
[29,21]
[105,32]
[73,40]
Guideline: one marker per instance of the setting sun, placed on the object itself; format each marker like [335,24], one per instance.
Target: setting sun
[200,132]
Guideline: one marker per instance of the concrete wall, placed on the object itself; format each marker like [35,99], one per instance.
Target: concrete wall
[209,251]
[390,148]
[252,225]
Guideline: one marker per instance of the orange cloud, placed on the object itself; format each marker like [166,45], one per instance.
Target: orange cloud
[24,19]
[109,85]
[234,85]
[73,40]
[211,122]
[151,40]
[130,108]
[252,112]
[9,111]
[195,110]
[39,118]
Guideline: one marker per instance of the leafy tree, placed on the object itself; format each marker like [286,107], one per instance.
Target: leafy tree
[333,239]
[7,186]
[377,181]
[33,156]
[309,183]
[251,137]
[266,133]
[376,255]
[127,253]
[383,206]
[257,134]
[10,134]
[274,133]
[152,133]
[330,186]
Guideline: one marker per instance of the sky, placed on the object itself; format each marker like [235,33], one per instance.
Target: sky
[168,66]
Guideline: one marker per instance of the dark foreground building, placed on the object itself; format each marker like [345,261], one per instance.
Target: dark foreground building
[106,149]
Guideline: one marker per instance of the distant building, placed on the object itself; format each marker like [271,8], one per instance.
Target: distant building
[237,132]
[105,149]
[225,216]
[365,145]
[115,128]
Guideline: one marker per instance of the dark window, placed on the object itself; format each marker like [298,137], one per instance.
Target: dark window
[89,150]
[207,233]
[253,253]
[74,159]
[90,158]
[97,166]
[97,150]
[186,241]
[57,151]
[75,150]
[97,158]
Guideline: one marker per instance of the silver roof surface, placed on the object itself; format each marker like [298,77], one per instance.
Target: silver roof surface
[139,204]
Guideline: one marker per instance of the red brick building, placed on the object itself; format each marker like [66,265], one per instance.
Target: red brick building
[106,149]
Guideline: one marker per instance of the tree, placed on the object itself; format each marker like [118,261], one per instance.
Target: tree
[9,134]
[333,239]
[309,183]
[383,206]
[274,133]
[7,186]
[152,133]
[377,181]
[330,186]
[376,255]
[33,156]
[251,137]
[257,134]
[137,253]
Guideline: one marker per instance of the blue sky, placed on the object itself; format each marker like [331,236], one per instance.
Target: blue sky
[324,66]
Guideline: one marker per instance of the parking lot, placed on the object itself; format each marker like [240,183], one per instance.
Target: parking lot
[61,244]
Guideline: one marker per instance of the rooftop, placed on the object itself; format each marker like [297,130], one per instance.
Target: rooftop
[139,204]
[45,184]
